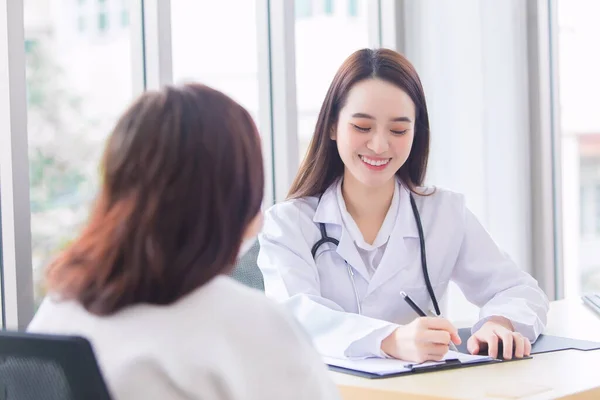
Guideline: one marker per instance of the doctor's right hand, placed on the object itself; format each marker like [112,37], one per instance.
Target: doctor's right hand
[424,339]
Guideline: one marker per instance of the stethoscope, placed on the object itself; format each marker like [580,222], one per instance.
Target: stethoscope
[327,239]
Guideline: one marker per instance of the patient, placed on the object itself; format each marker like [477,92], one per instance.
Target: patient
[182,185]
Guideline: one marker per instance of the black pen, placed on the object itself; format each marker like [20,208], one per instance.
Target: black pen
[413,305]
[420,312]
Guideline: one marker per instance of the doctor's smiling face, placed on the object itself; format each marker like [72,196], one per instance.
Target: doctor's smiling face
[373,124]
[375,131]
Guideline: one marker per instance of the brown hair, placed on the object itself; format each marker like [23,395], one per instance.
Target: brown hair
[322,164]
[182,180]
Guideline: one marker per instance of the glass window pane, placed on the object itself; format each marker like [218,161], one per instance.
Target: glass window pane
[76,88]
[353,8]
[597,207]
[328,7]
[81,23]
[323,41]
[579,83]
[102,21]
[125,18]
[214,42]
[303,8]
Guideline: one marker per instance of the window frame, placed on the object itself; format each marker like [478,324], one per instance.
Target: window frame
[545,149]
[17,282]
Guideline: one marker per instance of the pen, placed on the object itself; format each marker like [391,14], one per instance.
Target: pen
[420,312]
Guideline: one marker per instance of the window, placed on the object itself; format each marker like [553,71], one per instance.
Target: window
[597,205]
[353,8]
[102,21]
[328,7]
[82,14]
[81,23]
[302,8]
[582,210]
[589,200]
[578,61]
[322,44]
[77,87]
[30,45]
[216,46]
[124,18]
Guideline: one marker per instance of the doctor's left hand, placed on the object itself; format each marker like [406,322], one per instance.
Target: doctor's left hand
[499,329]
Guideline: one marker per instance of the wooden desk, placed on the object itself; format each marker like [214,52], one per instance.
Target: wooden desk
[568,374]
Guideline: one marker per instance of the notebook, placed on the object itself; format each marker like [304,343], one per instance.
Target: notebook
[386,367]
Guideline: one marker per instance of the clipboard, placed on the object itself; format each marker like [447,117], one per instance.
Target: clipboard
[448,364]
[388,368]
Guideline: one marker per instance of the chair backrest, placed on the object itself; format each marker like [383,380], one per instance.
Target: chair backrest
[51,367]
[246,270]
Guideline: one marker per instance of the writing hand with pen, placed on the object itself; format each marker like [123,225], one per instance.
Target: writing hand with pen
[427,338]
[424,339]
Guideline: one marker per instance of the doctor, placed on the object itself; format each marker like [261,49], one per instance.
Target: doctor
[359,228]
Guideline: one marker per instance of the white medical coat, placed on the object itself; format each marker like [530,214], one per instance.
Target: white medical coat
[319,291]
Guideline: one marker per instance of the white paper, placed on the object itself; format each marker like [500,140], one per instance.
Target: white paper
[387,366]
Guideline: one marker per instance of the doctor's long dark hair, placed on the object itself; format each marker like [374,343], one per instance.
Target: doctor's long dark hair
[322,164]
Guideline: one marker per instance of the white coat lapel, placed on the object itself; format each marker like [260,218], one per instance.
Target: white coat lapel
[402,249]
[348,251]
[328,212]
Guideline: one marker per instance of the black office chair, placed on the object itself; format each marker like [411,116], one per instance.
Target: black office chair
[35,366]
[246,270]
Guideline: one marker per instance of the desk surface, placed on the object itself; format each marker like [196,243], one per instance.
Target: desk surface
[568,374]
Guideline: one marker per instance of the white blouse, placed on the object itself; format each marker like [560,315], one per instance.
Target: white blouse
[222,341]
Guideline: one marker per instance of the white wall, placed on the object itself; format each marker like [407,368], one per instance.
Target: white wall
[471,56]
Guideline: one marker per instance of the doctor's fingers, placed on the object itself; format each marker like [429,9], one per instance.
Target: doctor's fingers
[442,324]
[519,344]
[492,343]
[482,340]
[430,352]
[437,337]
[474,345]
[527,350]
[511,340]
[507,342]
[436,351]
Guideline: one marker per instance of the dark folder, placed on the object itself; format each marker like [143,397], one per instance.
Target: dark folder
[544,344]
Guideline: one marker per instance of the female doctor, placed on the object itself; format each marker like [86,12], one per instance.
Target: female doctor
[359,231]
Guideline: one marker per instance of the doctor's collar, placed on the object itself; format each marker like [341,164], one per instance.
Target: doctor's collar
[328,210]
